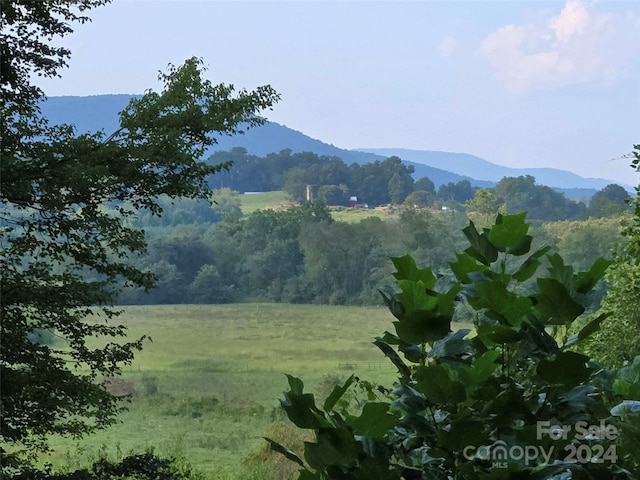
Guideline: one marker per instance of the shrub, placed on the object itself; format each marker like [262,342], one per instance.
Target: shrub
[145,466]
[482,405]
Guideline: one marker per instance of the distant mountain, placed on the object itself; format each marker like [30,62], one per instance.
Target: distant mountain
[273,137]
[481,169]
[88,114]
[100,112]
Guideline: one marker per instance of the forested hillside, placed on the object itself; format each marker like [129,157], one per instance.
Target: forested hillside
[381,182]
[295,251]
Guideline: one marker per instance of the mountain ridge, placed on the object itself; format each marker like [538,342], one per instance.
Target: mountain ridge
[100,112]
[465,164]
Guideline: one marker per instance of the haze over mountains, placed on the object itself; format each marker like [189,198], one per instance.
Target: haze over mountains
[100,112]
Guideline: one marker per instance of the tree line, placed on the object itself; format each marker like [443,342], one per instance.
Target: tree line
[205,252]
[66,223]
[298,255]
[390,182]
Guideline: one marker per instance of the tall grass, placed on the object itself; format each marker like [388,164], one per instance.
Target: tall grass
[206,386]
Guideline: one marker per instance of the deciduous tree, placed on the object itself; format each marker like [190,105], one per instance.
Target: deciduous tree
[611,200]
[469,406]
[618,341]
[66,205]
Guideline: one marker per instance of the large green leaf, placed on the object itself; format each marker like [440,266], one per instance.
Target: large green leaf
[555,304]
[422,327]
[463,432]
[630,391]
[412,352]
[535,342]
[510,231]
[593,326]
[295,384]
[481,248]
[497,334]
[375,420]
[333,446]
[275,446]
[530,265]
[408,270]
[493,296]
[587,280]
[395,307]
[301,407]
[464,265]
[522,248]
[337,393]
[437,386]
[453,345]
[415,296]
[579,398]
[566,368]
[481,369]
[559,271]
[447,301]
[392,355]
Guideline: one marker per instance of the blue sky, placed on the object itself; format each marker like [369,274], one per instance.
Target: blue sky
[519,83]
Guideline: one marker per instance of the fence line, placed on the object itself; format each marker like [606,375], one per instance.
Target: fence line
[369,366]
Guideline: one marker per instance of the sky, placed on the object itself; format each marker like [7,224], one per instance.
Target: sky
[519,83]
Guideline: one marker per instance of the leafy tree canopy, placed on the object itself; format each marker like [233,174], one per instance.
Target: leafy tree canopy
[622,298]
[26,50]
[460,191]
[611,200]
[67,202]
[467,406]
[539,201]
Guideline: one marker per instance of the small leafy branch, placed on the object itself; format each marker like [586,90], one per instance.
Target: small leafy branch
[481,405]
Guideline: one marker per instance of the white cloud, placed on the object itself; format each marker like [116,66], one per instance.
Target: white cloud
[578,45]
[572,20]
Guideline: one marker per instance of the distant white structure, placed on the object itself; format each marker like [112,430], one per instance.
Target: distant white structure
[309,194]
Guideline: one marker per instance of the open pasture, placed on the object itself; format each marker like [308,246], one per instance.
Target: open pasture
[279,200]
[206,386]
[250,202]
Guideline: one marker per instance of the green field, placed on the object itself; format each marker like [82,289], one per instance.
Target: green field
[263,200]
[355,215]
[206,387]
[278,200]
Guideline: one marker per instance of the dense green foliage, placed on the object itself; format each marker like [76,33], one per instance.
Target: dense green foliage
[145,466]
[390,181]
[618,341]
[611,200]
[312,258]
[296,255]
[376,183]
[521,194]
[67,205]
[480,406]
[26,49]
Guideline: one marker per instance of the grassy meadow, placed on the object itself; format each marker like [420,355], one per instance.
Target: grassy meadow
[279,199]
[207,384]
[258,201]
